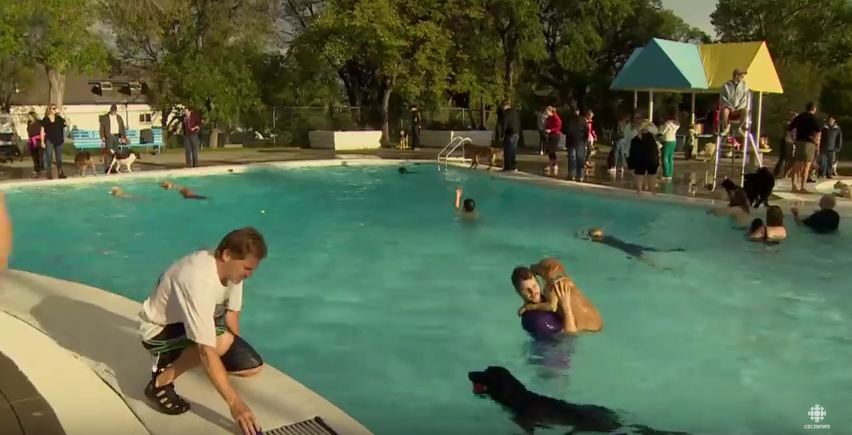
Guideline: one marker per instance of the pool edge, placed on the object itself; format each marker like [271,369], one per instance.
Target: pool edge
[116,357]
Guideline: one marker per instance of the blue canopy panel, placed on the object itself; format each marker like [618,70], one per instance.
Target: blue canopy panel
[663,65]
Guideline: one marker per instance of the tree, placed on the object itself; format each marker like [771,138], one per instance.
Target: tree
[58,35]
[589,41]
[805,30]
[194,52]
[399,45]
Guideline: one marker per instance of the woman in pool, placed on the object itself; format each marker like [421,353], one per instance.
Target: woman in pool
[5,235]
[466,208]
[773,231]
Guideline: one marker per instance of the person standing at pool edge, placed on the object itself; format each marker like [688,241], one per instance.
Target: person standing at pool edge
[181,314]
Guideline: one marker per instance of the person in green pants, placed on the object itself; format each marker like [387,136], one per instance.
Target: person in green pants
[669,132]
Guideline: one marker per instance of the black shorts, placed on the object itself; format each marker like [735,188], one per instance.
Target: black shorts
[646,169]
[172,340]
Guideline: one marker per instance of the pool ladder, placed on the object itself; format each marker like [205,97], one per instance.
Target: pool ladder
[445,154]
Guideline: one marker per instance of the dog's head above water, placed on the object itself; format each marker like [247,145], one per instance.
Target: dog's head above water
[496,382]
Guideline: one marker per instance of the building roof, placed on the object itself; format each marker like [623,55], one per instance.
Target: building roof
[662,65]
[79,90]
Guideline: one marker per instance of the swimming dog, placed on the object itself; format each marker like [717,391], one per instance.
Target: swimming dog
[530,410]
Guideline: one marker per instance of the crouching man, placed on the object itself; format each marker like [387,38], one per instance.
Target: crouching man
[192,317]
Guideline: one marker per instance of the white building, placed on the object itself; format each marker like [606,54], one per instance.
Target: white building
[86,99]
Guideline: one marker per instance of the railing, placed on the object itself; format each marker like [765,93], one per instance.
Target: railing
[452,146]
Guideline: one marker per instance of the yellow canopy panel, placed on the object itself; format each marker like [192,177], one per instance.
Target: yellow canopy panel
[720,61]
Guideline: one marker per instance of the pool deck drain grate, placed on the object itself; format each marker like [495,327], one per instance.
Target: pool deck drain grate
[314,426]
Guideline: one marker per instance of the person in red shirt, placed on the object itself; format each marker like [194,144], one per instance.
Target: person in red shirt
[553,130]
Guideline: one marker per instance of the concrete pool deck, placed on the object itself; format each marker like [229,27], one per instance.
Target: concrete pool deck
[79,347]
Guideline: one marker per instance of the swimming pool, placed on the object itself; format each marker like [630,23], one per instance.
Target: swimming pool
[377,297]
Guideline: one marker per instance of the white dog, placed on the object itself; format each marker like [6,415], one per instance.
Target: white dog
[127,161]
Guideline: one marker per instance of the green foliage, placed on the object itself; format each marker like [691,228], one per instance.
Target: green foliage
[194,52]
[59,35]
[806,30]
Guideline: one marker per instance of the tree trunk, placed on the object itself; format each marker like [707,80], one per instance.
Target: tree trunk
[386,93]
[213,140]
[482,114]
[56,87]
[508,76]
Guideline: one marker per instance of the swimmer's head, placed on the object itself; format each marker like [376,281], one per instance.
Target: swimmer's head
[827,202]
[469,205]
[402,170]
[755,225]
[526,285]
[596,233]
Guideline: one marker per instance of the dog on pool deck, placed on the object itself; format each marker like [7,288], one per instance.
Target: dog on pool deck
[843,190]
[530,410]
[477,152]
[83,160]
[123,158]
[758,186]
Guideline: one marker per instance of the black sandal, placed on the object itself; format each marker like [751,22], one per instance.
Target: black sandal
[166,399]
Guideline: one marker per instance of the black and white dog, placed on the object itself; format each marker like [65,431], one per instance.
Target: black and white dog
[530,410]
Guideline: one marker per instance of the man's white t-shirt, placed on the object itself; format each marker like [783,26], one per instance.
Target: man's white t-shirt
[190,292]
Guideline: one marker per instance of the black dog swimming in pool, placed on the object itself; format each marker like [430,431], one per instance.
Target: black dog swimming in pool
[530,410]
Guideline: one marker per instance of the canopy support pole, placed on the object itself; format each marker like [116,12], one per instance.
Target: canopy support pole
[651,105]
[759,116]
[635,99]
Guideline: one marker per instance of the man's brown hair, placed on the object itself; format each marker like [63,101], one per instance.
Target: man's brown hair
[241,243]
[521,273]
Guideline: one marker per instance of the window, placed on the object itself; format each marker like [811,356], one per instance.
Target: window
[145,118]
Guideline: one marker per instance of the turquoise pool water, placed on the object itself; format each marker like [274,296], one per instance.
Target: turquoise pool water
[378,298]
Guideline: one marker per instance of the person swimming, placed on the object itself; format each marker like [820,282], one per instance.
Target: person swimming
[631,249]
[466,208]
[403,170]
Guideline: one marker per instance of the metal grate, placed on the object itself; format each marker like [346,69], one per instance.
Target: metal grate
[314,426]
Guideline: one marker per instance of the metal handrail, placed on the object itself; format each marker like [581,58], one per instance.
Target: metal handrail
[459,141]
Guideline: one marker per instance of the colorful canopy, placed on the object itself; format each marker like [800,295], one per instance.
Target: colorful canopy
[669,66]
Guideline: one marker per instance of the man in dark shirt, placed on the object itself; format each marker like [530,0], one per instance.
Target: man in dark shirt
[823,221]
[806,131]
[576,130]
[511,129]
